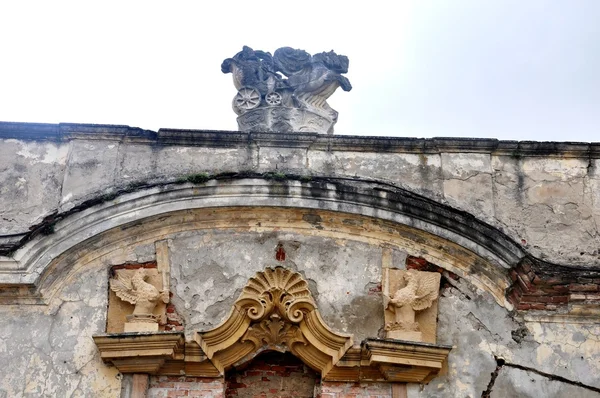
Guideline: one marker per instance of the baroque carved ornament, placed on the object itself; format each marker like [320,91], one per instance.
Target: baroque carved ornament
[275,311]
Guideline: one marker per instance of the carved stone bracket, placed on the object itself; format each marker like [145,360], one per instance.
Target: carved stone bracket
[391,361]
[275,311]
[140,353]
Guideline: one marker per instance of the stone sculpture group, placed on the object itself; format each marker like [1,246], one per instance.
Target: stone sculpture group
[286,91]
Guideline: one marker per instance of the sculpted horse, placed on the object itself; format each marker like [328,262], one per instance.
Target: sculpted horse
[312,79]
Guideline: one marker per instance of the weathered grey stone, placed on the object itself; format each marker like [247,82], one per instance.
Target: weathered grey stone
[547,205]
[273,159]
[268,102]
[148,165]
[513,382]
[89,161]
[194,160]
[418,172]
[468,183]
[50,351]
[32,175]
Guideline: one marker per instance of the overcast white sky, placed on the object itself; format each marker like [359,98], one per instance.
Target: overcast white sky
[508,69]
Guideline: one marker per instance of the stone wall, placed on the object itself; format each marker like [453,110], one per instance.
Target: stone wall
[510,226]
[537,193]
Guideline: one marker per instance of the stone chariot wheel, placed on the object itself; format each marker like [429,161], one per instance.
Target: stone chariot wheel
[273,98]
[246,99]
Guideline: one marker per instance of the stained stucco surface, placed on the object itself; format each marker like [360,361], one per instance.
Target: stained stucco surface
[49,352]
[549,205]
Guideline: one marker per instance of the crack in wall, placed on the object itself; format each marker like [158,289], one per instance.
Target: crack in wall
[502,363]
[494,375]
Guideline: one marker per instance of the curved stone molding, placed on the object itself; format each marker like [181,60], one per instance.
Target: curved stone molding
[29,264]
[275,311]
[454,240]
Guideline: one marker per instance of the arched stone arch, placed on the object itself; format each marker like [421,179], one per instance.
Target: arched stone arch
[363,210]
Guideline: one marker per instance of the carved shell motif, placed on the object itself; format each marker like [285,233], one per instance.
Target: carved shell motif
[276,290]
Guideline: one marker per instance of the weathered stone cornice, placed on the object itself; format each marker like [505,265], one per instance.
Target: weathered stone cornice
[215,138]
[31,260]
[140,352]
[25,275]
[392,361]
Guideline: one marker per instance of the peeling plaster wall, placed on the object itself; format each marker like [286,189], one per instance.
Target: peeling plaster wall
[481,332]
[49,351]
[549,204]
[210,269]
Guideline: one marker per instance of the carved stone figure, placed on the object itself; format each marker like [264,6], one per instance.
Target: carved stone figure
[143,295]
[300,94]
[416,291]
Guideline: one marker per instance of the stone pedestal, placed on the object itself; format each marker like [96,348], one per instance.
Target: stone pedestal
[404,335]
[281,119]
[141,323]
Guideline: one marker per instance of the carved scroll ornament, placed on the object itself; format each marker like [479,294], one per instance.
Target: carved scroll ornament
[275,311]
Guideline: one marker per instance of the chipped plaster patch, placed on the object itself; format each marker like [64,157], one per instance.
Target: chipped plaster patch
[67,197]
[46,153]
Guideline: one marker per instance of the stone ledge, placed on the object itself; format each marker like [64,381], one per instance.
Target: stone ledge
[215,138]
[383,360]
[391,361]
[140,352]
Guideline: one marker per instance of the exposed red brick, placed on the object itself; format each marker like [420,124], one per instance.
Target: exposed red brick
[561,288]
[524,282]
[452,275]
[280,254]
[151,264]
[544,299]
[590,287]
[270,375]
[525,267]
[415,263]
[375,290]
